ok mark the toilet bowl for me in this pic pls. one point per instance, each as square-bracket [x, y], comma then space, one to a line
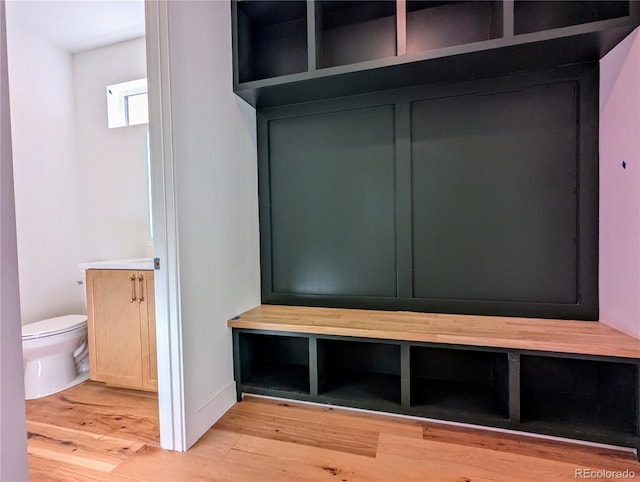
[55, 355]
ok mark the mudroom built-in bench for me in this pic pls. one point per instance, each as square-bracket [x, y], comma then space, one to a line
[573, 379]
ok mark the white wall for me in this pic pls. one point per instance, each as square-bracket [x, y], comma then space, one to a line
[13, 430]
[211, 140]
[45, 173]
[112, 175]
[619, 267]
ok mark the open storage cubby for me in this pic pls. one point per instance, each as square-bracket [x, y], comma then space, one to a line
[348, 32]
[432, 24]
[469, 382]
[272, 39]
[579, 394]
[358, 371]
[274, 362]
[292, 52]
[535, 16]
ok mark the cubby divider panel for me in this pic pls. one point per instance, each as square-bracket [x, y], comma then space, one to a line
[539, 15]
[359, 371]
[349, 32]
[274, 362]
[464, 382]
[577, 394]
[433, 25]
[272, 39]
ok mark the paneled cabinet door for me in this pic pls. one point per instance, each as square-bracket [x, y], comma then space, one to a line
[122, 328]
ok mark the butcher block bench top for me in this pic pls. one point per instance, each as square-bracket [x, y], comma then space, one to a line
[560, 336]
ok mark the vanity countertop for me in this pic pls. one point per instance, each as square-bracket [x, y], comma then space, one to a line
[132, 264]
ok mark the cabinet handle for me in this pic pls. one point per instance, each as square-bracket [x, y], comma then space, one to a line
[132, 285]
[141, 281]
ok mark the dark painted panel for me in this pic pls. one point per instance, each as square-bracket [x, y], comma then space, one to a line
[332, 199]
[494, 196]
[584, 77]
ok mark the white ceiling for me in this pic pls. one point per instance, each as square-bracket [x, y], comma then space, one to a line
[77, 25]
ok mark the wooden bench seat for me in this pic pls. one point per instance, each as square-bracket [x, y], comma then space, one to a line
[562, 336]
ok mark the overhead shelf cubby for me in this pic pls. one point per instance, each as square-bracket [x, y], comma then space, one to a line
[432, 24]
[536, 16]
[272, 39]
[288, 52]
[348, 32]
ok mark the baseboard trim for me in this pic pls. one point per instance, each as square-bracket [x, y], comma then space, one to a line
[210, 412]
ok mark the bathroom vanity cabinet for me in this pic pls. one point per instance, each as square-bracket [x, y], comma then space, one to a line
[121, 325]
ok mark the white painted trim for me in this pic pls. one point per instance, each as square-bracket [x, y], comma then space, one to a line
[165, 228]
[212, 409]
[13, 428]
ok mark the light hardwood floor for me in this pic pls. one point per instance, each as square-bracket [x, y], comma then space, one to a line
[91, 432]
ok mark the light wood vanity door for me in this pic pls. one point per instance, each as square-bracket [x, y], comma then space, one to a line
[148, 331]
[115, 341]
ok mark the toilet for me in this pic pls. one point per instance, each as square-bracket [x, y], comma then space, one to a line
[55, 355]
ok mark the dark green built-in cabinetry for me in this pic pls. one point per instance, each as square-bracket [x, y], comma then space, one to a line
[430, 156]
[476, 197]
[436, 156]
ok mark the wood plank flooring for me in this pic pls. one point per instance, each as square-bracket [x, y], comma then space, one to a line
[563, 336]
[91, 432]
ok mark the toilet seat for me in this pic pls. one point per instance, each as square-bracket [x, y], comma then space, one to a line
[53, 326]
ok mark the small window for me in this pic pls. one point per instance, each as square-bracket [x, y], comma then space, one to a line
[127, 103]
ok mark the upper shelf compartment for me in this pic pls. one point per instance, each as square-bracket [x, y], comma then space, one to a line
[538, 15]
[271, 39]
[348, 32]
[433, 25]
[287, 52]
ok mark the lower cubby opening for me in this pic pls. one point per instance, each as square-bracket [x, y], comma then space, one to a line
[582, 395]
[367, 372]
[466, 383]
[274, 362]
